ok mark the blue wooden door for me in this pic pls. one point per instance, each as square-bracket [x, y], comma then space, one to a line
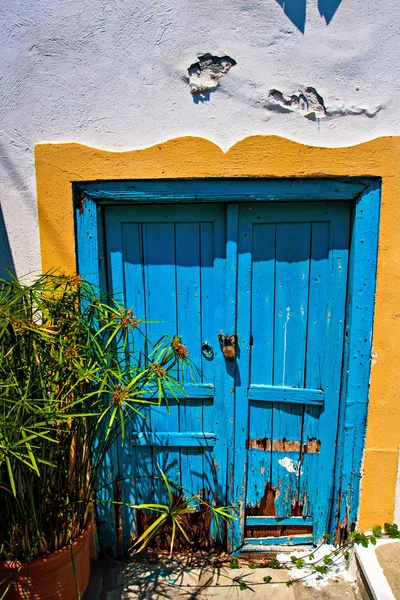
[258, 432]
[292, 282]
[169, 263]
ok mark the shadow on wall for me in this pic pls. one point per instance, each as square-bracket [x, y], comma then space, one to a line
[327, 9]
[6, 260]
[295, 10]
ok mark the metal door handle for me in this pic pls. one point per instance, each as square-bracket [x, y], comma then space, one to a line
[207, 350]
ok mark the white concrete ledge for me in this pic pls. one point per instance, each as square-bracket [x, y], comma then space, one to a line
[372, 570]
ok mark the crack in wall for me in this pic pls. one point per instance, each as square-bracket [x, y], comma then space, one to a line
[354, 110]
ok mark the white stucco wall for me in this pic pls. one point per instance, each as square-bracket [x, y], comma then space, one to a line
[113, 74]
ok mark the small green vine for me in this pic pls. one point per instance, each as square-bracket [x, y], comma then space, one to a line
[321, 565]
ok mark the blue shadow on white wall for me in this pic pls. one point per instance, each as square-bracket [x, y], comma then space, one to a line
[327, 9]
[296, 10]
[6, 260]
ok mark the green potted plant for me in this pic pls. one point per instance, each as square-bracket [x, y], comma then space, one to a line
[70, 379]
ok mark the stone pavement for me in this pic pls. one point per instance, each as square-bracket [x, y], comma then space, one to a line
[202, 578]
[389, 559]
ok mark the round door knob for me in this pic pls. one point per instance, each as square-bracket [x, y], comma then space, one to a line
[207, 350]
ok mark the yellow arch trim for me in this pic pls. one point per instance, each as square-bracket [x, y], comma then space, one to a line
[58, 165]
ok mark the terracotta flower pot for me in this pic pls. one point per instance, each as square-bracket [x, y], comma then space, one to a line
[52, 577]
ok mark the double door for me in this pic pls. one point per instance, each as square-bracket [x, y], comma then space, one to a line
[256, 430]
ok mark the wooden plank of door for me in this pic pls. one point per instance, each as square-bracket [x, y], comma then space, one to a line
[135, 463]
[326, 323]
[242, 373]
[111, 472]
[217, 315]
[258, 493]
[317, 360]
[291, 304]
[160, 281]
[208, 363]
[188, 288]
[238, 433]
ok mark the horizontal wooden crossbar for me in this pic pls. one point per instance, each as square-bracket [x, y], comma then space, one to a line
[228, 190]
[260, 544]
[311, 446]
[287, 521]
[165, 438]
[191, 390]
[271, 393]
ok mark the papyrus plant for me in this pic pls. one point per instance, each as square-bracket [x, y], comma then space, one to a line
[71, 379]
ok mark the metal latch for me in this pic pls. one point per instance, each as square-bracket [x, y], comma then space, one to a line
[228, 345]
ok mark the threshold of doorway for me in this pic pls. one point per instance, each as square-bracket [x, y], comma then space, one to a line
[268, 544]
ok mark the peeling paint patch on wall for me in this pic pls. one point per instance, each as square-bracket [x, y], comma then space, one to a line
[291, 466]
[205, 74]
[307, 102]
[310, 104]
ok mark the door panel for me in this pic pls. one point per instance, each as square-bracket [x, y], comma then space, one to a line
[169, 264]
[298, 267]
[263, 427]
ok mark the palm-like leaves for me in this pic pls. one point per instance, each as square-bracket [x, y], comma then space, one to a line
[70, 381]
[173, 514]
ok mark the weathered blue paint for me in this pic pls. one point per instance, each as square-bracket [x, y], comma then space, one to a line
[254, 521]
[277, 275]
[132, 463]
[269, 393]
[180, 257]
[292, 247]
[356, 368]
[191, 390]
[332, 278]
[91, 263]
[224, 190]
[165, 438]
[261, 544]
[289, 246]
